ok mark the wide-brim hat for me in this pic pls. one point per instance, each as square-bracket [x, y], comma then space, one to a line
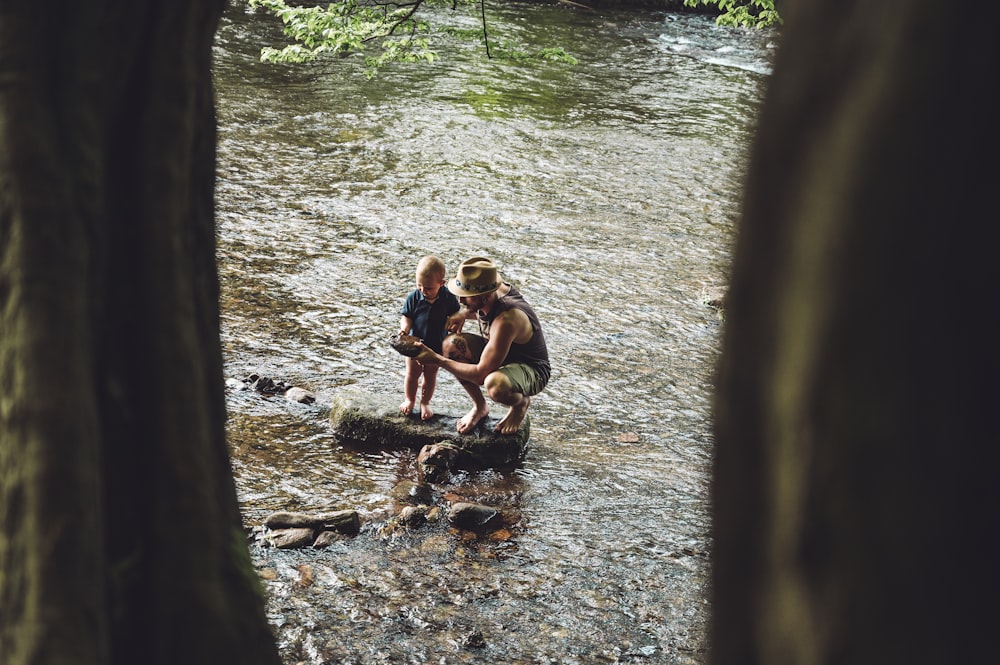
[476, 276]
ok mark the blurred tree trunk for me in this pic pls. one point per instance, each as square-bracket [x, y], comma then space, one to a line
[120, 535]
[856, 492]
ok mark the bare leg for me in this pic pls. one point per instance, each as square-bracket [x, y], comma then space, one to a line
[460, 347]
[501, 390]
[480, 409]
[430, 382]
[410, 382]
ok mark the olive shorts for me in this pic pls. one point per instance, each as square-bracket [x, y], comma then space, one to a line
[523, 377]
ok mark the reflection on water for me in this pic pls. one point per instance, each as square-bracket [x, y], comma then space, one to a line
[607, 192]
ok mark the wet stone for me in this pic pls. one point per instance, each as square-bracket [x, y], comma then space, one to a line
[405, 344]
[473, 516]
[327, 538]
[342, 521]
[300, 395]
[410, 492]
[267, 386]
[413, 516]
[369, 421]
[291, 538]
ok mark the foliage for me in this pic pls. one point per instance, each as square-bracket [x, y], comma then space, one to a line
[743, 13]
[347, 26]
[384, 30]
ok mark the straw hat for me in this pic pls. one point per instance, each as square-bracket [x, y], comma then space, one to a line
[476, 276]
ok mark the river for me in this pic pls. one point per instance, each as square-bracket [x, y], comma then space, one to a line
[607, 191]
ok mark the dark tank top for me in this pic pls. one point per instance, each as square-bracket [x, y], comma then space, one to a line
[534, 352]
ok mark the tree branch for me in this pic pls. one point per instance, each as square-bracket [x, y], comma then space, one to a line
[486, 35]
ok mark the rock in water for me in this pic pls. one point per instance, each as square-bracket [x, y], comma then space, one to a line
[467, 515]
[300, 395]
[343, 521]
[290, 539]
[370, 421]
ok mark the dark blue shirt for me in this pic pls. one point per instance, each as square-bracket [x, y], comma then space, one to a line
[429, 318]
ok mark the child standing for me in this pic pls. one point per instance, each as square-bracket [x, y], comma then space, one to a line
[424, 314]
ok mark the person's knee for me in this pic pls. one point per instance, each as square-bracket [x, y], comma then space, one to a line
[463, 347]
[454, 348]
[498, 387]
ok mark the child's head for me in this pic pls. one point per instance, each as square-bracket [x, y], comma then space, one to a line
[430, 276]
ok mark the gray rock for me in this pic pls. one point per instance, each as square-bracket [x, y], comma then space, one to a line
[466, 515]
[291, 538]
[407, 491]
[300, 395]
[342, 521]
[327, 538]
[370, 421]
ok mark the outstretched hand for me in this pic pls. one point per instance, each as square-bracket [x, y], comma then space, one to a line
[425, 356]
[455, 322]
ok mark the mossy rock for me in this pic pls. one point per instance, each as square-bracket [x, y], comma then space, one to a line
[368, 421]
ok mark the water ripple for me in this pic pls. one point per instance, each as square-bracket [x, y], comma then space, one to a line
[607, 192]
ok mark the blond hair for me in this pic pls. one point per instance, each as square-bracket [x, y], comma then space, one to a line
[431, 266]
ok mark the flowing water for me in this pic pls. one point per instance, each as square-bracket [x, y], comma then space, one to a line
[607, 192]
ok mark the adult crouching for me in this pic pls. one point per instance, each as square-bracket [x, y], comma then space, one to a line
[508, 358]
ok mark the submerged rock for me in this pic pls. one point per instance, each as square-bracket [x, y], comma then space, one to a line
[466, 515]
[473, 639]
[413, 493]
[480, 517]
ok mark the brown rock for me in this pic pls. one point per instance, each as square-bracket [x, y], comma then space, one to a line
[327, 538]
[405, 344]
[473, 516]
[287, 539]
[367, 421]
[343, 521]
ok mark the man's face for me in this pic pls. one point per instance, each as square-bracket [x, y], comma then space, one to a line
[476, 303]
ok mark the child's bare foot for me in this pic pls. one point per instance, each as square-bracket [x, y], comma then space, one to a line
[426, 412]
[406, 408]
[512, 421]
[472, 418]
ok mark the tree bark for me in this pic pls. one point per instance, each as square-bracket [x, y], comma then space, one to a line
[855, 484]
[120, 534]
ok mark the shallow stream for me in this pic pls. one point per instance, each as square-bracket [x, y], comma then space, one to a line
[607, 192]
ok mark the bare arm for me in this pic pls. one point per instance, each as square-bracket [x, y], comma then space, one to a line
[405, 324]
[505, 330]
[458, 319]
